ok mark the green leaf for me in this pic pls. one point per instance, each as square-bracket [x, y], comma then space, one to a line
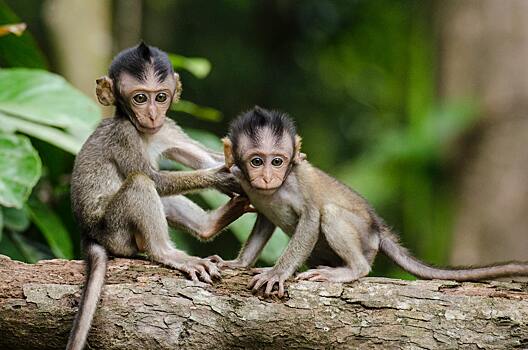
[20, 170]
[205, 113]
[1, 224]
[206, 138]
[52, 228]
[9, 248]
[48, 134]
[18, 51]
[242, 228]
[199, 67]
[15, 219]
[27, 248]
[47, 98]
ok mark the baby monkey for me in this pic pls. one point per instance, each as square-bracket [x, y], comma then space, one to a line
[120, 198]
[332, 228]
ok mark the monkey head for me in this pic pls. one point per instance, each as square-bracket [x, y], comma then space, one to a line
[264, 146]
[142, 85]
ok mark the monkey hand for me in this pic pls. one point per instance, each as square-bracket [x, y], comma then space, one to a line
[268, 276]
[241, 205]
[226, 182]
[228, 264]
[199, 269]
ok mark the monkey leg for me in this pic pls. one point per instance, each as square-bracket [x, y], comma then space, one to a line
[134, 221]
[342, 230]
[184, 214]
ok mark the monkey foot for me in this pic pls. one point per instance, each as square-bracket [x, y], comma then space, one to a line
[329, 274]
[227, 264]
[198, 269]
[268, 277]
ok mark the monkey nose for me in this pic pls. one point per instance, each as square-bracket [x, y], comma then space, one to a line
[152, 112]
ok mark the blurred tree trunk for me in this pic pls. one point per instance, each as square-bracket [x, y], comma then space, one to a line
[483, 56]
[81, 33]
[128, 16]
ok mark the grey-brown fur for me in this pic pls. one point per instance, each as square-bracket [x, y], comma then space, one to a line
[329, 224]
[120, 198]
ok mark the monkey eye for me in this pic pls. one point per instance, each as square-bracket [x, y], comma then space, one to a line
[161, 97]
[140, 98]
[277, 161]
[256, 162]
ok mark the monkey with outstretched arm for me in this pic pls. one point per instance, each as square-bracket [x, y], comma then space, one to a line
[332, 228]
[121, 200]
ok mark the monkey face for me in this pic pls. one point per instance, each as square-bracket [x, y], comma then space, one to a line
[148, 100]
[266, 160]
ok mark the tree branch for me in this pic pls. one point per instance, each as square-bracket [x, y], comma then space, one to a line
[145, 306]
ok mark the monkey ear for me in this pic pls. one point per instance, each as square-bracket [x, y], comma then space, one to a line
[297, 155]
[178, 90]
[105, 91]
[228, 152]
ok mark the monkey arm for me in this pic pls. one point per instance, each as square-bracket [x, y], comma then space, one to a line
[170, 183]
[190, 152]
[183, 213]
[299, 248]
[301, 243]
[260, 235]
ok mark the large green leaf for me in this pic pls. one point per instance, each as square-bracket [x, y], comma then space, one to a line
[54, 136]
[30, 250]
[47, 98]
[20, 170]
[1, 224]
[18, 51]
[199, 67]
[15, 219]
[52, 228]
[205, 113]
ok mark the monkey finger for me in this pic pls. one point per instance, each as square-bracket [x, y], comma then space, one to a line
[252, 282]
[213, 270]
[215, 259]
[318, 278]
[281, 289]
[269, 285]
[257, 282]
[204, 276]
[192, 274]
[250, 209]
[305, 275]
[257, 270]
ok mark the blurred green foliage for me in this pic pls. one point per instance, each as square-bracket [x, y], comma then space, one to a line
[358, 76]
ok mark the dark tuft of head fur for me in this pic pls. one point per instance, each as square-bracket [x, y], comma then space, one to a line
[135, 61]
[252, 122]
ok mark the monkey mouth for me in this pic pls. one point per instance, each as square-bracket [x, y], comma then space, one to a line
[151, 130]
[266, 189]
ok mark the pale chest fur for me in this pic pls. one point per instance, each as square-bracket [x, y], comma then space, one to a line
[283, 207]
[155, 145]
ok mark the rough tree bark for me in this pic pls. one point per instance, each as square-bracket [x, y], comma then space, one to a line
[145, 306]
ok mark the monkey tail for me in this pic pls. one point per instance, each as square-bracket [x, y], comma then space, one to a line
[96, 259]
[390, 245]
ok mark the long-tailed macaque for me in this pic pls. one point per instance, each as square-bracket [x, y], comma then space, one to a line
[332, 227]
[120, 198]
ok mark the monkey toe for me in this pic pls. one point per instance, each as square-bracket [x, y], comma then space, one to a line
[232, 264]
[215, 259]
[321, 274]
